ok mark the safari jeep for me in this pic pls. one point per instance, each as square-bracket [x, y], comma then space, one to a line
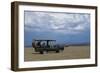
[44, 46]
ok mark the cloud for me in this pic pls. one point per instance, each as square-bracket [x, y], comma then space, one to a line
[56, 22]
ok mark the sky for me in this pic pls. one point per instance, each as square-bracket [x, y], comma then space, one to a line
[64, 27]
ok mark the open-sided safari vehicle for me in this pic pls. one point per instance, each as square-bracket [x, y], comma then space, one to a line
[44, 46]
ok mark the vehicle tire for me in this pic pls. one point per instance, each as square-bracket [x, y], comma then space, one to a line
[41, 52]
[57, 51]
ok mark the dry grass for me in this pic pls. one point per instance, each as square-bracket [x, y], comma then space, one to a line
[71, 52]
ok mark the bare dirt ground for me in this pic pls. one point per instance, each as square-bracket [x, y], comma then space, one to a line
[71, 52]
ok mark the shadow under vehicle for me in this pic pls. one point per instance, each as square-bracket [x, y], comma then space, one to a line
[44, 46]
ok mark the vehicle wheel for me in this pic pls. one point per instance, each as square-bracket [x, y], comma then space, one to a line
[57, 51]
[41, 52]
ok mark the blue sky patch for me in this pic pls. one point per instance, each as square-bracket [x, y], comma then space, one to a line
[65, 28]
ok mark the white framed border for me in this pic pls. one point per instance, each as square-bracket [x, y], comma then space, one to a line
[34, 64]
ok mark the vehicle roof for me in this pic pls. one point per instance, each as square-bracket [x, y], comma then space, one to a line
[44, 40]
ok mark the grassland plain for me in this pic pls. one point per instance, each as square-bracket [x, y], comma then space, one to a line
[71, 52]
